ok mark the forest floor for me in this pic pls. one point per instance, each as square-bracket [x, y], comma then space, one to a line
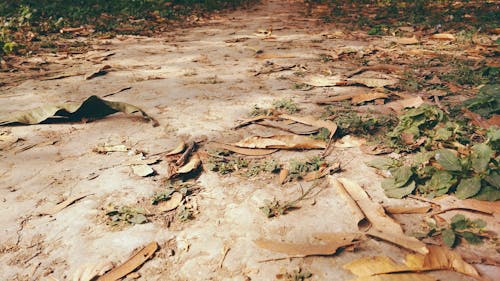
[199, 83]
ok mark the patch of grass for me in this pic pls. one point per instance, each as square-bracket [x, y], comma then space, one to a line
[257, 111]
[287, 105]
[301, 86]
[299, 168]
[276, 208]
[223, 162]
[325, 58]
[126, 215]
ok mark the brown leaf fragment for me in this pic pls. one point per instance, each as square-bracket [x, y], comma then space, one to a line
[407, 209]
[131, 264]
[440, 258]
[369, 266]
[192, 165]
[406, 40]
[327, 244]
[448, 203]
[191, 146]
[322, 172]
[57, 208]
[245, 151]
[383, 226]
[172, 203]
[309, 120]
[93, 107]
[443, 36]
[105, 148]
[178, 149]
[142, 170]
[275, 56]
[399, 105]
[335, 99]
[379, 67]
[282, 142]
[253, 120]
[370, 82]
[368, 97]
[98, 72]
[283, 175]
[478, 120]
[397, 277]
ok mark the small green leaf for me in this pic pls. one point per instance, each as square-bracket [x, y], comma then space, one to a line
[471, 237]
[447, 159]
[480, 157]
[401, 175]
[488, 193]
[440, 183]
[479, 223]
[400, 192]
[468, 187]
[494, 179]
[458, 218]
[442, 134]
[449, 237]
[383, 163]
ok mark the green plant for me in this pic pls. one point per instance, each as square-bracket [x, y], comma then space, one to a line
[276, 208]
[126, 214]
[287, 105]
[299, 168]
[460, 227]
[487, 102]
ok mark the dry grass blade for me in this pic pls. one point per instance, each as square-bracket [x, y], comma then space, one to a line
[57, 208]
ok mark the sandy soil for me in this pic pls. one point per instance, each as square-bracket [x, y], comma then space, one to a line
[198, 83]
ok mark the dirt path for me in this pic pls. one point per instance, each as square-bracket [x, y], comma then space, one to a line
[198, 83]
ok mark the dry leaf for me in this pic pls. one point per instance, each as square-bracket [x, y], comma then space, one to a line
[274, 56]
[322, 172]
[105, 148]
[349, 141]
[368, 97]
[440, 258]
[378, 67]
[407, 209]
[282, 142]
[131, 264]
[178, 149]
[172, 203]
[283, 175]
[399, 105]
[371, 82]
[89, 271]
[335, 99]
[328, 244]
[309, 120]
[142, 170]
[57, 208]
[192, 165]
[322, 81]
[245, 151]
[291, 127]
[448, 203]
[98, 72]
[254, 119]
[406, 40]
[443, 36]
[369, 266]
[383, 226]
[397, 277]
[93, 107]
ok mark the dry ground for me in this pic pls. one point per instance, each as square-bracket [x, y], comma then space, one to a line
[198, 83]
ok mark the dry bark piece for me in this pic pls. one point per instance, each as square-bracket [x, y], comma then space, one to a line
[382, 226]
[131, 264]
[178, 149]
[328, 244]
[93, 107]
[192, 165]
[282, 142]
[142, 170]
[57, 208]
[245, 151]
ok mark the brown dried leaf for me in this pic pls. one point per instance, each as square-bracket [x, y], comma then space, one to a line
[335, 99]
[378, 67]
[245, 151]
[406, 40]
[371, 82]
[131, 264]
[283, 175]
[178, 149]
[443, 36]
[369, 266]
[328, 244]
[383, 226]
[142, 170]
[57, 208]
[399, 105]
[368, 97]
[172, 203]
[448, 203]
[98, 72]
[397, 277]
[311, 121]
[282, 142]
[190, 166]
[407, 209]
[323, 81]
